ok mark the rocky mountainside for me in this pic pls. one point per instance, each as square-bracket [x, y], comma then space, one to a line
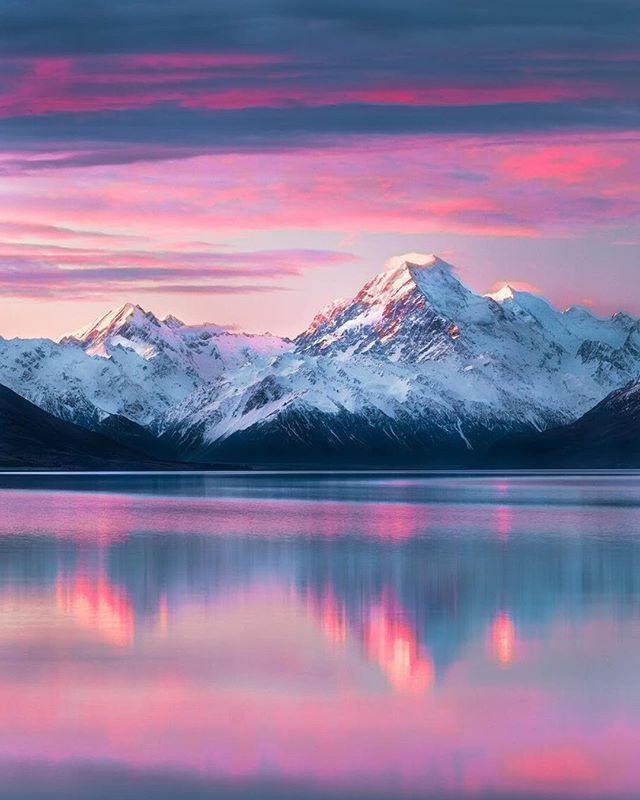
[607, 436]
[414, 369]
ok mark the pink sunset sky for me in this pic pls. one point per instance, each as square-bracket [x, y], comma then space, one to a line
[247, 162]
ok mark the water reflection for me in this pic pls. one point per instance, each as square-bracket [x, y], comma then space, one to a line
[246, 639]
[503, 638]
[393, 646]
[96, 605]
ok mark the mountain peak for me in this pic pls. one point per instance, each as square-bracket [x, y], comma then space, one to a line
[504, 293]
[405, 274]
[94, 337]
[579, 312]
[119, 315]
[420, 260]
[172, 321]
[405, 297]
[110, 321]
[622, 318]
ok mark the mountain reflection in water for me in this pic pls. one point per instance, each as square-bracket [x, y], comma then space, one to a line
[276, 636]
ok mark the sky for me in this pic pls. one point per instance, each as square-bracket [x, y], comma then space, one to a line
[246, 161]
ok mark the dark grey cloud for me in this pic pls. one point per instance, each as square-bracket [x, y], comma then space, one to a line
[161, 133]
[74, 26]
[323, 46]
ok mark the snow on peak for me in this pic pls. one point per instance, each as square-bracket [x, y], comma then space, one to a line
[623, 320]
[393, 305]
[503, 294]
[119, 326]
[113, 321]
[114, 317]
[405, 274]
[508, 292]
[172, 321]
[579, 312]
[415, 259]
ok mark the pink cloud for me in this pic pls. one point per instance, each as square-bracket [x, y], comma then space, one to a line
[40, 270]
[406, 186]
[30, 230]
[563, 164]
[149, 227]
[239, 81]
[444, 95]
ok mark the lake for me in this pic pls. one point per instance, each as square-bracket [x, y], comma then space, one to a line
[329, 636]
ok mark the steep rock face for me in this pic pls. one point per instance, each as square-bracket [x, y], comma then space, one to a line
[311, 409]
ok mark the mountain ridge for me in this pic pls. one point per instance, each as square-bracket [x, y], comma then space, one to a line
[415, 368]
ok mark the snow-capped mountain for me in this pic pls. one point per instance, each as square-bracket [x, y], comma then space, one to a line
[415, 368]
[127, 363]
[208, 350]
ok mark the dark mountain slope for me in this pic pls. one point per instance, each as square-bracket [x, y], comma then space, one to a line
[32, 438]
[607, 436]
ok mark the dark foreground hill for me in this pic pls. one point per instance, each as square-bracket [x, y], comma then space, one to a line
[607, 436]
[31, 438]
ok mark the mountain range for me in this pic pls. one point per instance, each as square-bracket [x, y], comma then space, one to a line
[414, 370]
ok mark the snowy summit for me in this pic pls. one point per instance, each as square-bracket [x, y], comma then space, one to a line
[413, 363]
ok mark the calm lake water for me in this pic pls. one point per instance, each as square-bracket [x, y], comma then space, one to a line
[314, 636]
